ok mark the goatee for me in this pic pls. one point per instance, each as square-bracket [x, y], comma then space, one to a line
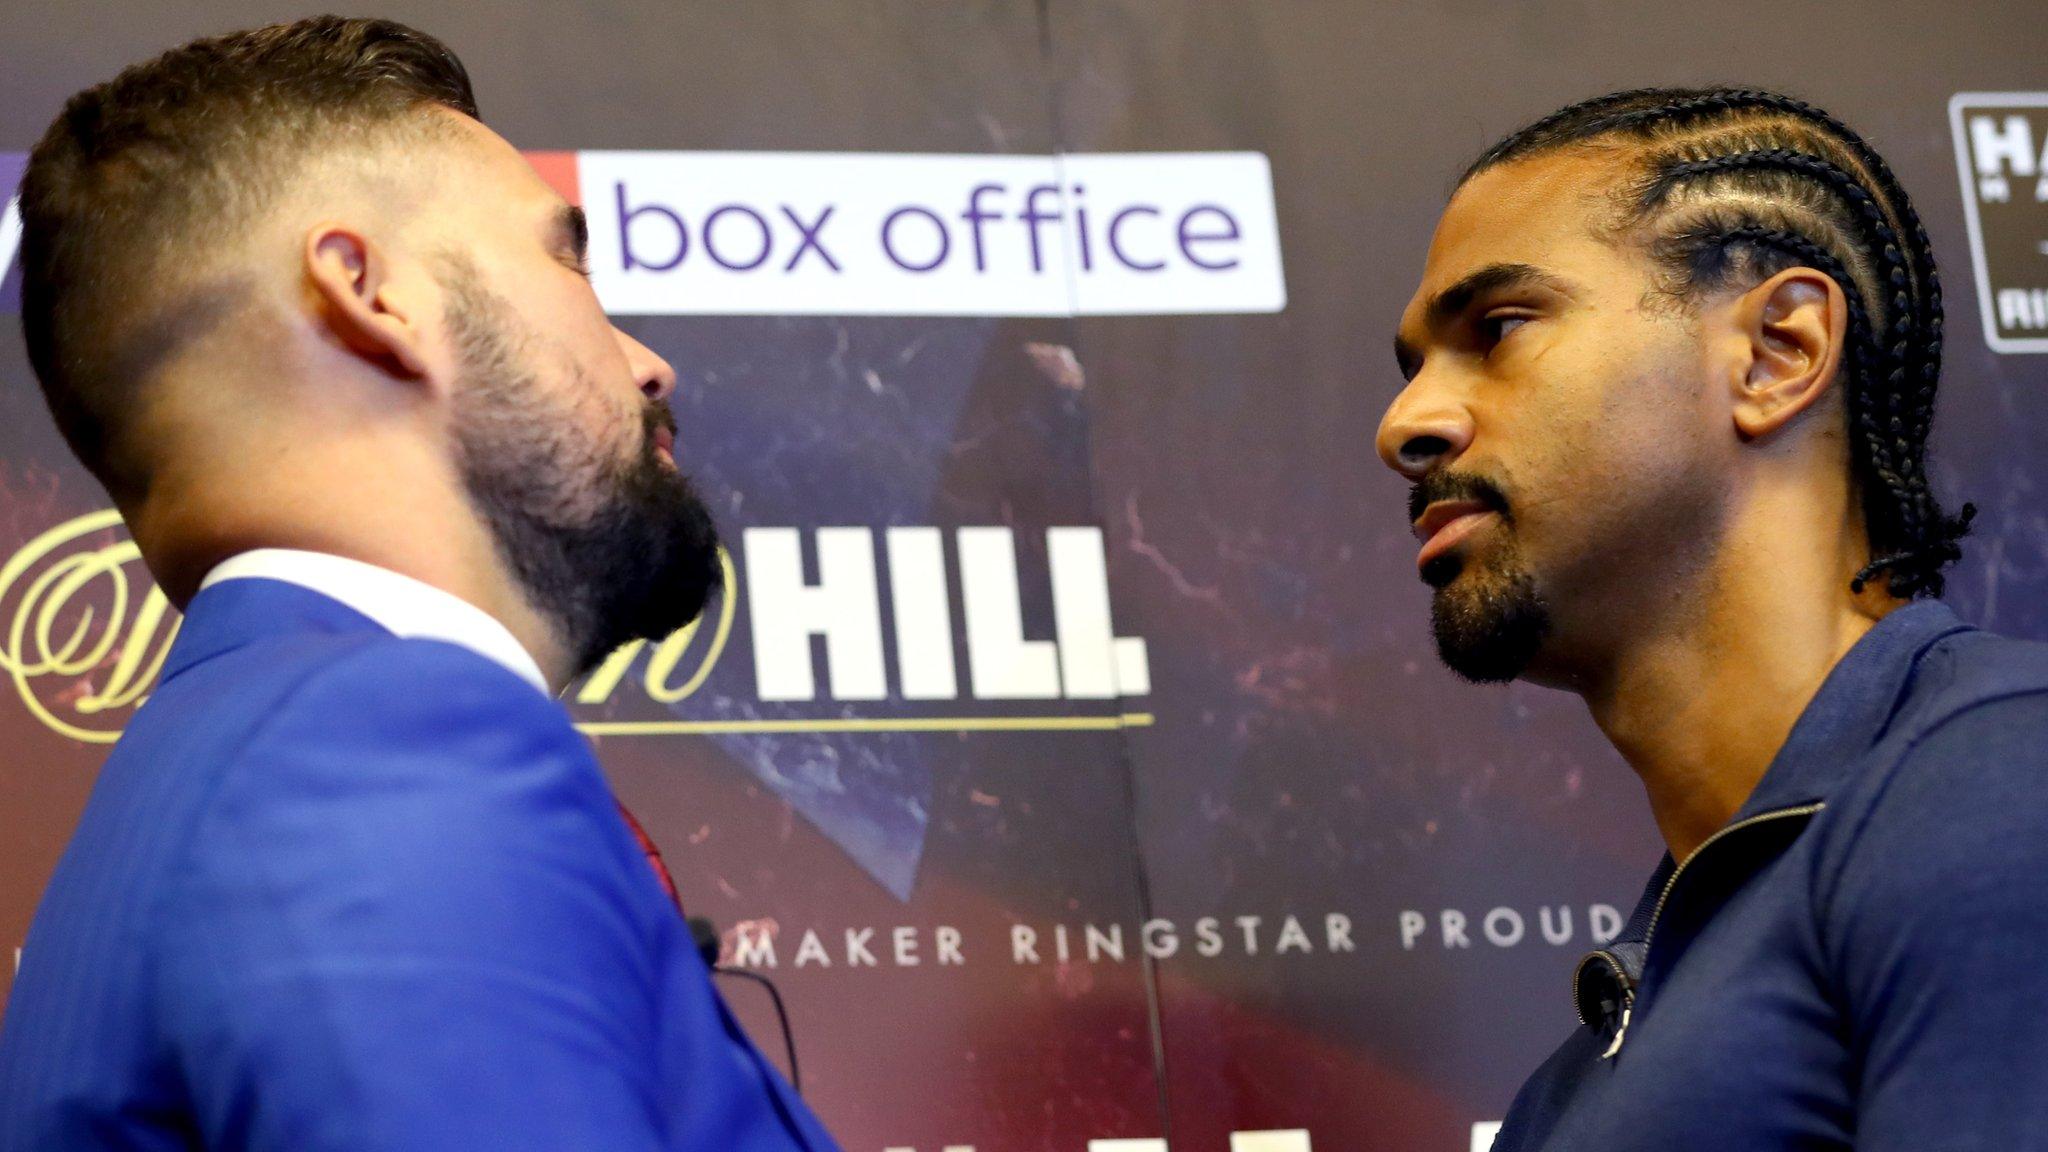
[1490, 621]
[1489, 626]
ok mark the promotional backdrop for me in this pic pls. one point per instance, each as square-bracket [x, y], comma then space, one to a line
[1070, 749]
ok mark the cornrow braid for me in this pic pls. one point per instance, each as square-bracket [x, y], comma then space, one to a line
[1741, 183]
[1688, 108]
[1663, 106]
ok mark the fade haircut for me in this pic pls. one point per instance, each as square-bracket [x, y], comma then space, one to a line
[139, 176]
[1728, 187]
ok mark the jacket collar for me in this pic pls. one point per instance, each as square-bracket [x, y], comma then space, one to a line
[1853, 708]
[235, 613]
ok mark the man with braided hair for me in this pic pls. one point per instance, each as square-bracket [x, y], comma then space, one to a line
[1670, 371]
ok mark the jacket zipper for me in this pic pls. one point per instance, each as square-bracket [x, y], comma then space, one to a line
[1628, 992]
[1579, 975]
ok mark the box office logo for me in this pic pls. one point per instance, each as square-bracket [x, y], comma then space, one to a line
[2002, 158]
[903, 234]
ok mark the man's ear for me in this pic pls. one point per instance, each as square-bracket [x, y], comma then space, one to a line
[1787, 342]
[351, 279]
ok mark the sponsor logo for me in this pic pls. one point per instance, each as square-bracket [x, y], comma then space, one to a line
[889, 234]
[2002, 158]
[84, 634]
[846, 234]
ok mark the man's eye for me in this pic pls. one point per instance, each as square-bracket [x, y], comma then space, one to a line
[1496, 328]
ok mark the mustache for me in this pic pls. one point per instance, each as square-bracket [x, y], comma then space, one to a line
[1455, 486]
[657, 416]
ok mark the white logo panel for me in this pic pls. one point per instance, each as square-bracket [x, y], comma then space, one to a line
[849, 234]
[2002, 158]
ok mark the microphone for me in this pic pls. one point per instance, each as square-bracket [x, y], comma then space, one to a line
[705, 934]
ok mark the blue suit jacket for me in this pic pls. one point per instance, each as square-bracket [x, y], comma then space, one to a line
[340, 890]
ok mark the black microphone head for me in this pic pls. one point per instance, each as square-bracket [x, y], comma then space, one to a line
[705, 933]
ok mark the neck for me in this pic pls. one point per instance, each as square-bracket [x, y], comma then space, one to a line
[1700, 702]
[392, 516]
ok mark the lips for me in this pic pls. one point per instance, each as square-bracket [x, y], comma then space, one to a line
[665, 444]
[1445, 524]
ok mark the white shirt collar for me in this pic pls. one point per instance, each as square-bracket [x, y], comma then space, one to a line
[402, 605]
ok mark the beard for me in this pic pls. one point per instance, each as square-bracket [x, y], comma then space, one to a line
[610, 546]
[1489, 619]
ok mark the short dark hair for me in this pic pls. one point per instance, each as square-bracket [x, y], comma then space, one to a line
[137, 173]
[1731, 186]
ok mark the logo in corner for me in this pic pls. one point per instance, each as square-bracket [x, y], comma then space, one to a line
[2002, 158]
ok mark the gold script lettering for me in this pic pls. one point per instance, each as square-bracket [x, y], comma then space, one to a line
[66, 599]
[69, 604]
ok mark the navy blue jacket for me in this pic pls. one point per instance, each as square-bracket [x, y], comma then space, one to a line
[1859, 959]
[339, 891]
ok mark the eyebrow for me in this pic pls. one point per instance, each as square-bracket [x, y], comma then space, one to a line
[574, 229]
[1452, 302]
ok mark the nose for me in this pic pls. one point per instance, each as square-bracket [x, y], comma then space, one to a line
[1423, 430]
[656, 377]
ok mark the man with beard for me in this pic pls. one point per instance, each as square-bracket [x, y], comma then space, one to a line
[1670, 370]
[352, 880]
